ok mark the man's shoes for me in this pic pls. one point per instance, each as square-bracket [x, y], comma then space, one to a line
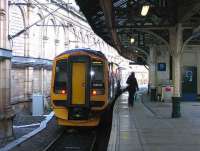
[130, 104]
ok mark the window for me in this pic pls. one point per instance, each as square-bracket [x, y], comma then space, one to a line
[97, 71]
[60, 85]
[97, 75]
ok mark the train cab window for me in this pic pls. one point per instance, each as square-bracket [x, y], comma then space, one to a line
[60, 83]
[97, 74]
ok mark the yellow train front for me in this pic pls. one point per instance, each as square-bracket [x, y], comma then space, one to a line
[79, 89]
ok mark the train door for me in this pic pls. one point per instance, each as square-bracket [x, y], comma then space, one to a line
[79, 86]
[78, 83]
[189, 83]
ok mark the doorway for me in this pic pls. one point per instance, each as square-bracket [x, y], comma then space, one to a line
[189, 83]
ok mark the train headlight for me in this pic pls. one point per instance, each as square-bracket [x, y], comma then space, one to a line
[92, 73]
[63, 91]
[97, 92]
[94, 92]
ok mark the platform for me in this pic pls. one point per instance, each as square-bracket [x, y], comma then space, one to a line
[148, 126]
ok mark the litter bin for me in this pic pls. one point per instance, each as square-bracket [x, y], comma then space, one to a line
[37, 105]
[176, 113]
[153, 94]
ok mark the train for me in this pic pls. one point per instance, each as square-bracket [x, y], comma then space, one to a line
[84, 85]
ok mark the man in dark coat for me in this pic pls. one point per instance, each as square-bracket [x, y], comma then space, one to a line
[132, 88]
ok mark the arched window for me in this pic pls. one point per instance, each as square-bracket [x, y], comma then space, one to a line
[72, 38]
[67, 35]
[16, 24]
[61, 38]
[81, 39]
[102, 47]
[87, 41]
[35, 35]
[99, 45]
[93, 44]
[50, 52]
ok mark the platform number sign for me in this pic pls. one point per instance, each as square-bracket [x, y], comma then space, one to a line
[161, 66]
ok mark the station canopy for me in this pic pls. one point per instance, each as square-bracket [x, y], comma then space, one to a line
[126, 26]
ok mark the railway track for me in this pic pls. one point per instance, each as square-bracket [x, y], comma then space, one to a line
[81, 140]
[84, 139]
[95, 139]
[73, 140]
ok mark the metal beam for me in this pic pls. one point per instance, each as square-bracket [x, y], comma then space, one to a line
[107, 8]
[54, 25]
[5, 53]
[29, 4]
[187, 10]
[28, 27]
[148, 27]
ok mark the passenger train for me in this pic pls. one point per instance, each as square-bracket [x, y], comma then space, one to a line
[83, 86]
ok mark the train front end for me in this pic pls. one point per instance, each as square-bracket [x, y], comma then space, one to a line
[79, 89]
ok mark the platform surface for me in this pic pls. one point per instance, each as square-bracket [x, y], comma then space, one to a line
[148, 126]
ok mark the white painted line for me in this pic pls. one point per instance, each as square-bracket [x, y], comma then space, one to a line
[24, 126]
[22, 139]
[113, 142]
[72, 148]
[124, 102]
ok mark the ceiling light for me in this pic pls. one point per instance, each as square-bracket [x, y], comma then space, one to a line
[145, 9]
[132, 40]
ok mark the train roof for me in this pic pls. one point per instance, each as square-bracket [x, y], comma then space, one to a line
[88, 50]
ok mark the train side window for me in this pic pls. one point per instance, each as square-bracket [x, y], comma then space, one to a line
[97, 74]
[60, 83]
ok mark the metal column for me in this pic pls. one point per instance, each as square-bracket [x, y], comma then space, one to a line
[176, 44]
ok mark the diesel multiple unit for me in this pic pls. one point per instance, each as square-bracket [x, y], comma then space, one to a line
[83, 86]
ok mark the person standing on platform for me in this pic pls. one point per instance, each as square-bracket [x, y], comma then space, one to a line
[132, 88]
